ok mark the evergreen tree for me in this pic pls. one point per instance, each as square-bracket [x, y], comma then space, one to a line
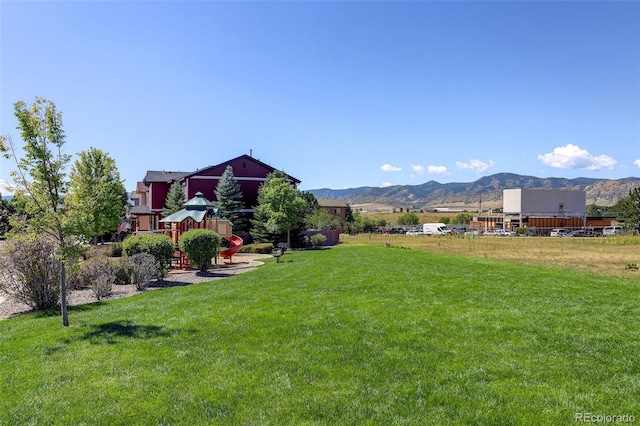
[229, 200]
[312, 202]
[174, 201]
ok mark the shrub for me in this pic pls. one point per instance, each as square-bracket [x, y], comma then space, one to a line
[200, 245]
[260, 248]
[124, 270]
[100, 274]
[159, 246]
[317, 240]
[114, 249]
[144, 268]
[30, 273]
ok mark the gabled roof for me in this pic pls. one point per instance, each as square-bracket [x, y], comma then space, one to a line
[163, 176]
[330, 202]
[245, 157]
[140, 210]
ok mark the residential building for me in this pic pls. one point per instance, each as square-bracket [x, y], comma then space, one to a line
[151, 193]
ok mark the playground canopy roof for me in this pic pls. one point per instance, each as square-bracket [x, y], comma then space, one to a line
[195, 209]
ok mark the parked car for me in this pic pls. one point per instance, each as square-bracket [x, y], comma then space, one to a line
[459, 230]
[577, 233]
[415, 231]
[612, 230]
[473, 232]
[499, 233]
[559, 232]
[397, 230]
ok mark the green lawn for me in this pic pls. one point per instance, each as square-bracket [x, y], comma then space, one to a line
[349, 335]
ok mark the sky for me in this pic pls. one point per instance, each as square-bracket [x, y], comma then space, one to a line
[338, 94]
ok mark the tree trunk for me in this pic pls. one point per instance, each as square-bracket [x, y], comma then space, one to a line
[63, 295]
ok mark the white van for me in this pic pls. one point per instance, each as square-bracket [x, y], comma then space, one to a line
[435, 229]
[612, 230]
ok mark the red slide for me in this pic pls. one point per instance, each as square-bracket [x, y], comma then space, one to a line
[235, 244]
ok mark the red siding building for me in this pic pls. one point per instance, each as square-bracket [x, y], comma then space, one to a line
[151, 193]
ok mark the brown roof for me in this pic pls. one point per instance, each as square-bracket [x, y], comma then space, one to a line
[330, 202]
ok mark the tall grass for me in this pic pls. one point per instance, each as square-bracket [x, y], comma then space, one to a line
[350, 335]
[604, 255]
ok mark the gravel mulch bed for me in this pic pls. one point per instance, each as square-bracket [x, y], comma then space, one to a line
[242, 262]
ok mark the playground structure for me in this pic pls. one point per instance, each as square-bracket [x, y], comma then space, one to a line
[199, 213]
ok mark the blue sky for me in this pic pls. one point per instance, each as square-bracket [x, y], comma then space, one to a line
[337, 94]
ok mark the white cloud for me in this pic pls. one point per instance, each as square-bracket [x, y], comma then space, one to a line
[418, 169]
[4, 188]
[637, 162]
[386, 184]
[389, 168]
[438, 170]
[573, 157]
[478, 166]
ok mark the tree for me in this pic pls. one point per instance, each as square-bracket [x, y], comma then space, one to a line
[320, 220]
[95, 201]
[40, 179]
[174, 201]
[462, 219]
[628, 208]
[259, 230]
[312, 202]
[281, 205]
[229, 199]
[408, 219]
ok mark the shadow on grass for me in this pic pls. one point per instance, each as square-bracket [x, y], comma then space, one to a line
[113, 332]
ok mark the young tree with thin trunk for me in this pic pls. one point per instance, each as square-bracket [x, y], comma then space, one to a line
[40, 179]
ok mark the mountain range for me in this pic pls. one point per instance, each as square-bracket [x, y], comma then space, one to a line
[486, 192]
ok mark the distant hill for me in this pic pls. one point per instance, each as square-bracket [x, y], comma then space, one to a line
[486, 190]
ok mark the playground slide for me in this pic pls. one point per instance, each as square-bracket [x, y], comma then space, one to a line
[235, 244]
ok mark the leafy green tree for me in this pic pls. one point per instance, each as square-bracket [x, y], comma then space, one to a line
[229, 200]
[462, 219]
[41, 181]
[593, 210]
[95, 201]
[628, 208]
[259, 230]
[445, 220]
[6, 211]
[282, 206]
[320, 220]
[634, 208]
[409, 219]
[175, 200]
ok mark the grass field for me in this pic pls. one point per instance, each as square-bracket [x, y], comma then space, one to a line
[356, 334]
[614, 256]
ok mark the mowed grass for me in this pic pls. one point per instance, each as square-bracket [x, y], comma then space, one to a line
[348, 335]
